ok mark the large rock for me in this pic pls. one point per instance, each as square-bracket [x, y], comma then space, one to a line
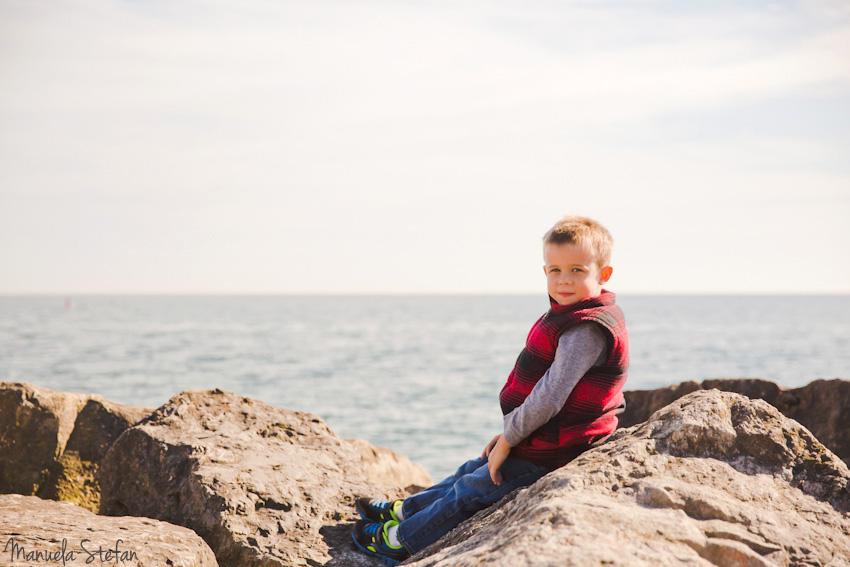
[263, 486]
[51, 442]
[43, 532]
[714, 479]
[823, 406]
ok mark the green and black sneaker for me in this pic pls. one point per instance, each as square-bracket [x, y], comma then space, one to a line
[380, 511]
[372, 538]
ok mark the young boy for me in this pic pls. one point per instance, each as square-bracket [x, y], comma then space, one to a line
[562, 396]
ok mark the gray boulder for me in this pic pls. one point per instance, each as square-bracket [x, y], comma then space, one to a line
[51, 442]
[43, 532]
[714, 479]
[263, 486]
[822, 406]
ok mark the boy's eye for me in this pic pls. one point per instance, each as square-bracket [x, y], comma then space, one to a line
[578, 270]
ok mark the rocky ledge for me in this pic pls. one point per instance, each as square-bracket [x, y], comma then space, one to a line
[261, 485]
[713, 479]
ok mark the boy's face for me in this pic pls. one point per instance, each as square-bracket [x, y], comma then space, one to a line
[572, 273]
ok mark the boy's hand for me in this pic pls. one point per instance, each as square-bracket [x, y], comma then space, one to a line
[497, 456]
[490, 446]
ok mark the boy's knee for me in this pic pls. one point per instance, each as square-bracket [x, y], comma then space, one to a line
[475, 484]
[469, 467]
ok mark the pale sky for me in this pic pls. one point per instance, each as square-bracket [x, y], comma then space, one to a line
[248, 146]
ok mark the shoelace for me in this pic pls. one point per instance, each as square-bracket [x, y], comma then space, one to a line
[376, 532]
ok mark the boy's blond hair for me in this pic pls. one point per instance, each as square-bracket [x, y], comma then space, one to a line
[585, 232]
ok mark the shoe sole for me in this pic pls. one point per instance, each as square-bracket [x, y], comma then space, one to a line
[383, 558]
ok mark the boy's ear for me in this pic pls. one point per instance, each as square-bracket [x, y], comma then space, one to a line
[605, 274]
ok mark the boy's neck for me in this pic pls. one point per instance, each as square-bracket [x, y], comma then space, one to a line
[603, 296]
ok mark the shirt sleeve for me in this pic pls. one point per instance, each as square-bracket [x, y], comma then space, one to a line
[579, 348]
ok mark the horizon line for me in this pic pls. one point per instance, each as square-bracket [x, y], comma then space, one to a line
[394, 293]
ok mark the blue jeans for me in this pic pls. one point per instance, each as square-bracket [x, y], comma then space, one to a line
[434, 512]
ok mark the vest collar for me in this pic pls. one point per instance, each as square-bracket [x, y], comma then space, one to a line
[604, 298]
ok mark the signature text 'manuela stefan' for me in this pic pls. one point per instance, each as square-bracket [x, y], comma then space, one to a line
[68, 555]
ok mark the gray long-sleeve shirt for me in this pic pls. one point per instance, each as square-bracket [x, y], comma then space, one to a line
[579, 348]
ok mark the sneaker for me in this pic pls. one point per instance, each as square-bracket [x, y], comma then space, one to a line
[380, 511]
[371, 537]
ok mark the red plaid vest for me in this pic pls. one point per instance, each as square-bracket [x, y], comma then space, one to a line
[590, 412]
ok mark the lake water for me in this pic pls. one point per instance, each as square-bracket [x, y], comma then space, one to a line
[418, 374]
